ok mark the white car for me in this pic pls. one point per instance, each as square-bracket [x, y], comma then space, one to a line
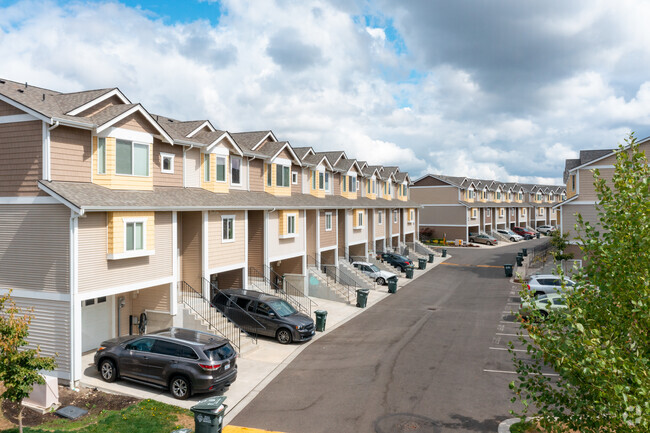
[514, 237]
[548, 284]
[381, 277]
[544, 304]
[545, 229]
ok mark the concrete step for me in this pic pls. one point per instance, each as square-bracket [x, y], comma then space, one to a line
[362, 279]
[336, 289]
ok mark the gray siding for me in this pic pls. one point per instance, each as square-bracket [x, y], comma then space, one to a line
[34, 247]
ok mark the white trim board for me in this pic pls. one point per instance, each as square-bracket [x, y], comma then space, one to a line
[82, 296]
[15, 118]
[26, 109]
[227, 268]
[287, 256]
[36, 294]
[443, 205]
[29, 200]
[447, 225]
[105, 96]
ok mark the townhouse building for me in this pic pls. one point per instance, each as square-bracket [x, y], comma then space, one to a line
[454, 207]
[108, 211]
[581, 196]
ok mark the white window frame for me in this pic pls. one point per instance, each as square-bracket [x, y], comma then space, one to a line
[281, 167]
[224, 220]
[411, 216]
[328, 182]
[470, 193]
[488, 212]
[241, 165]
[207, 162]
[541, 211]
[164, 155]
[395, 216]
[225, 169]
[134, 221]
[474, 213]
[101, 155]
[295, 220]
[294, 178]
[359, 218]
[502, 212]
[328, 221]
[133, 144]
[380, 220]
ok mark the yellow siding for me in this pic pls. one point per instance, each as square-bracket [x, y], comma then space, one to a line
[115, 181]
[358, 212]
[213, 185]
[282, 191]
[320, 193]
[116, 230]
[283, 221]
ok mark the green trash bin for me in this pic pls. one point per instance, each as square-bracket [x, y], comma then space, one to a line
[520, 261]
[392, 285]
[520, 254]
[444, 252]
[422, 263]
[524, 251]
[362, 297]
[208, 415]
[430, 258]
[409, 272]
[321, 318]
[537, 235]
[508, 270]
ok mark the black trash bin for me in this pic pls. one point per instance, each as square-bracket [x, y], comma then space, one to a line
[409, 272]
[508, 270]
[537, 235]
[520, 261]
[422, 263]
[520, 254]
[524, 251]
[208, 415]
[392, 285]
[321, 318]
[444, 252]
[362, 297]
[430, 258]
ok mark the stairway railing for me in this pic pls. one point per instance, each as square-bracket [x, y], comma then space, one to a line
[276, 285]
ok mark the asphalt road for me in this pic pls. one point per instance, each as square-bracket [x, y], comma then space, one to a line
[430, 358]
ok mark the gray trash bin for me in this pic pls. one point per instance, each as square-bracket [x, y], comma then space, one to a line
[422, 264]
[362, 297]
[321, 319]
[392, 285]
[430, 258]
[444, 252]
[208, 415]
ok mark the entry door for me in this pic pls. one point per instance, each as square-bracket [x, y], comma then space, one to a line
[96, 322]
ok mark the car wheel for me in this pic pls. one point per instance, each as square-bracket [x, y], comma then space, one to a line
[180, 387]
[283, 336]
[471, 239]
[490, 243]
[381, 281]
[512, 239]
[544, 314]
[539, 293]
[108, 371]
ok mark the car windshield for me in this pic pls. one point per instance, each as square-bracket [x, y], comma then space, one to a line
[282, 308]
[219, 353]
[374, 268]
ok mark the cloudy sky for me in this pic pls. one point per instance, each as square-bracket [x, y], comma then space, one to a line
[499, 89]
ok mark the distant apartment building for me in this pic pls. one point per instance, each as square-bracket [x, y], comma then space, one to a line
[453, 207]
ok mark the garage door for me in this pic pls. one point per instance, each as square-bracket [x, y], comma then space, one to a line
[96, 319]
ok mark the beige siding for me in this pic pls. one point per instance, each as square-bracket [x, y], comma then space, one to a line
[311, 232]
[231, 280]
[9, 110]
[337, 184]
[296, 188]
[285, 247]
[193, 168]
[229, 253]
[434, 195]
[429, 181]
[256, 239]
[167, 179]
[113, 100]
[191, 229]
[450, 233]
[587, 189]
[359, 235]
[394, 225]
[380, 229]
[152, 298]
[96, 272]
[21, 162]
[136, 122]
[256, 174]
[70, 154]
[49, 329]
[569, 218]
[34, 247]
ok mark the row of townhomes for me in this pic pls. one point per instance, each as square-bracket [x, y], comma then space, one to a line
[581, 197]
[454, 207]
[106, 210]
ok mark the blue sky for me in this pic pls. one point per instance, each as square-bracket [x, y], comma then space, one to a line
[481, 88]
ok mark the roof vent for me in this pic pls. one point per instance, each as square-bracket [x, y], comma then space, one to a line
[2, 81]
[43, 96]
[25, 84]
[21, 90]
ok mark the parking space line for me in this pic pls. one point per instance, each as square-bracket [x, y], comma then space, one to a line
[513, 335]
[505, 348]
[514, 372]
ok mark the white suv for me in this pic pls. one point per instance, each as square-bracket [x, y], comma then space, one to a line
[381, 277]
[547, 284]
[545, 229]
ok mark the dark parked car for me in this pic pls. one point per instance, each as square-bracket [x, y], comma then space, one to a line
[527, 234]
[183, 360]
[263, 314]
[396, 260]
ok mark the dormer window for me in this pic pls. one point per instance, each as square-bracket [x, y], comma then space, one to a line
[221, 169]
[470, 193]
[131, 158]
[282, 175]
[235, 170]
[101, 155]
[166, 163]
[498, 195]
[352, 184]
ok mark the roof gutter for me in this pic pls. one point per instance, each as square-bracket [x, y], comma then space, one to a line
[56, 125]
[72, 123]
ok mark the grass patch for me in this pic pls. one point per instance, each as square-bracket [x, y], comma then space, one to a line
[144, 417]
[523, 427]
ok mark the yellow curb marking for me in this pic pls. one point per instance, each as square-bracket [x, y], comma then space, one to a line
[235, 429]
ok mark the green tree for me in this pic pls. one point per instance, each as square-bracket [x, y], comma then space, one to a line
[600, 348]
[19, 367]
[559, 242]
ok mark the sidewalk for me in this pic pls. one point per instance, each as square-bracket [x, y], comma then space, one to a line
[256, 367]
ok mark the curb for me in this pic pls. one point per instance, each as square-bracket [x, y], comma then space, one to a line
[504, 427]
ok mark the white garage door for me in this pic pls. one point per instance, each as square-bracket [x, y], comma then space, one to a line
[96, 319]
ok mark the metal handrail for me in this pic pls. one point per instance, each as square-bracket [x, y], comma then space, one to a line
[334, 272]
[280, 291]
[257, 325]
[195, 301]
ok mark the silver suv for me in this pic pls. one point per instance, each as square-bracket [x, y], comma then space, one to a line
[183, 360]
[547, 284]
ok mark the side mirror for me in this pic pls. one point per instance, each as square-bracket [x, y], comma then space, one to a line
[271, 314]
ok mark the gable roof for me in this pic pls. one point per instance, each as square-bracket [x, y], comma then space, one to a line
[333, 157]
[212, 138]
[302, 152]
[316, 160]
[273, 148]
[345, 165]
[252, 139]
